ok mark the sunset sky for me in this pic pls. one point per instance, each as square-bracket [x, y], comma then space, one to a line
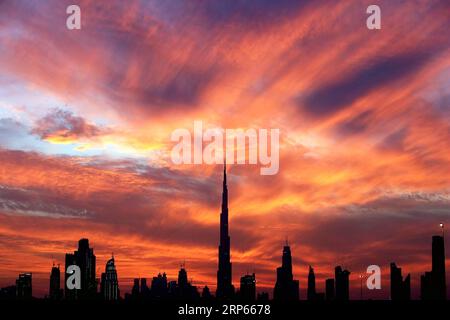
[86, 117]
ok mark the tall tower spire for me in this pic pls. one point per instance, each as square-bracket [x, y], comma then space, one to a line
[224, 279]
[224, 200]
[224, 171]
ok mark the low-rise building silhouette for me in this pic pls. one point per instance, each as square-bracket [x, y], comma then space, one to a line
[24, 288]
[329, 289]
[8, 293]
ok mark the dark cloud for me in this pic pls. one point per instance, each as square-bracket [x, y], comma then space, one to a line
[355, 125]
[37, 203]
[210, 14]
[65, 125]
[443, 105]
[330, 98]
[179, 183]
[394, 141]
[183, 89]
[251, 12]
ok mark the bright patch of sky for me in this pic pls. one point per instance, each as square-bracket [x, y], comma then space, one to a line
[22, 105]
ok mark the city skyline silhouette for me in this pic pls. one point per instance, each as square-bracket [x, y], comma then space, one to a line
[286, 289]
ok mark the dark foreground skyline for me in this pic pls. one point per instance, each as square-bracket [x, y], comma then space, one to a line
[160, 287]
[432, 283]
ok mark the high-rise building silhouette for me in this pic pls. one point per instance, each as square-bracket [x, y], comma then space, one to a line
[145, 290]
[184, 289]
[206, 293]
[173, 290]
[286, 288]
[247, 288]
[438, 267]
[400, 289]
[329, 289]
[24, 289]
[182, 278]
[433, 284]
[342, 284]
[109, 285]
[135, 289]
[85, 259]
[311, 285]
[55, 291]
[225, 289]
[159, 288]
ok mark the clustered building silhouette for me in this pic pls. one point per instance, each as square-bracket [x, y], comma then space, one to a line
[432, 283]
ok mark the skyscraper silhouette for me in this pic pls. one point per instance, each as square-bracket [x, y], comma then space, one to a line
[135, 289]
[159, 287]
[438, 267]
[182, 278]
[433, 284]
[311, 285]
[109, 285]
[286, 288]
[85, 259]
[145, 290]
[206, 293]
[55, 291]
[248, 287]
[185, 290]
[225, 289]
[400, 289]
[342, 284]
